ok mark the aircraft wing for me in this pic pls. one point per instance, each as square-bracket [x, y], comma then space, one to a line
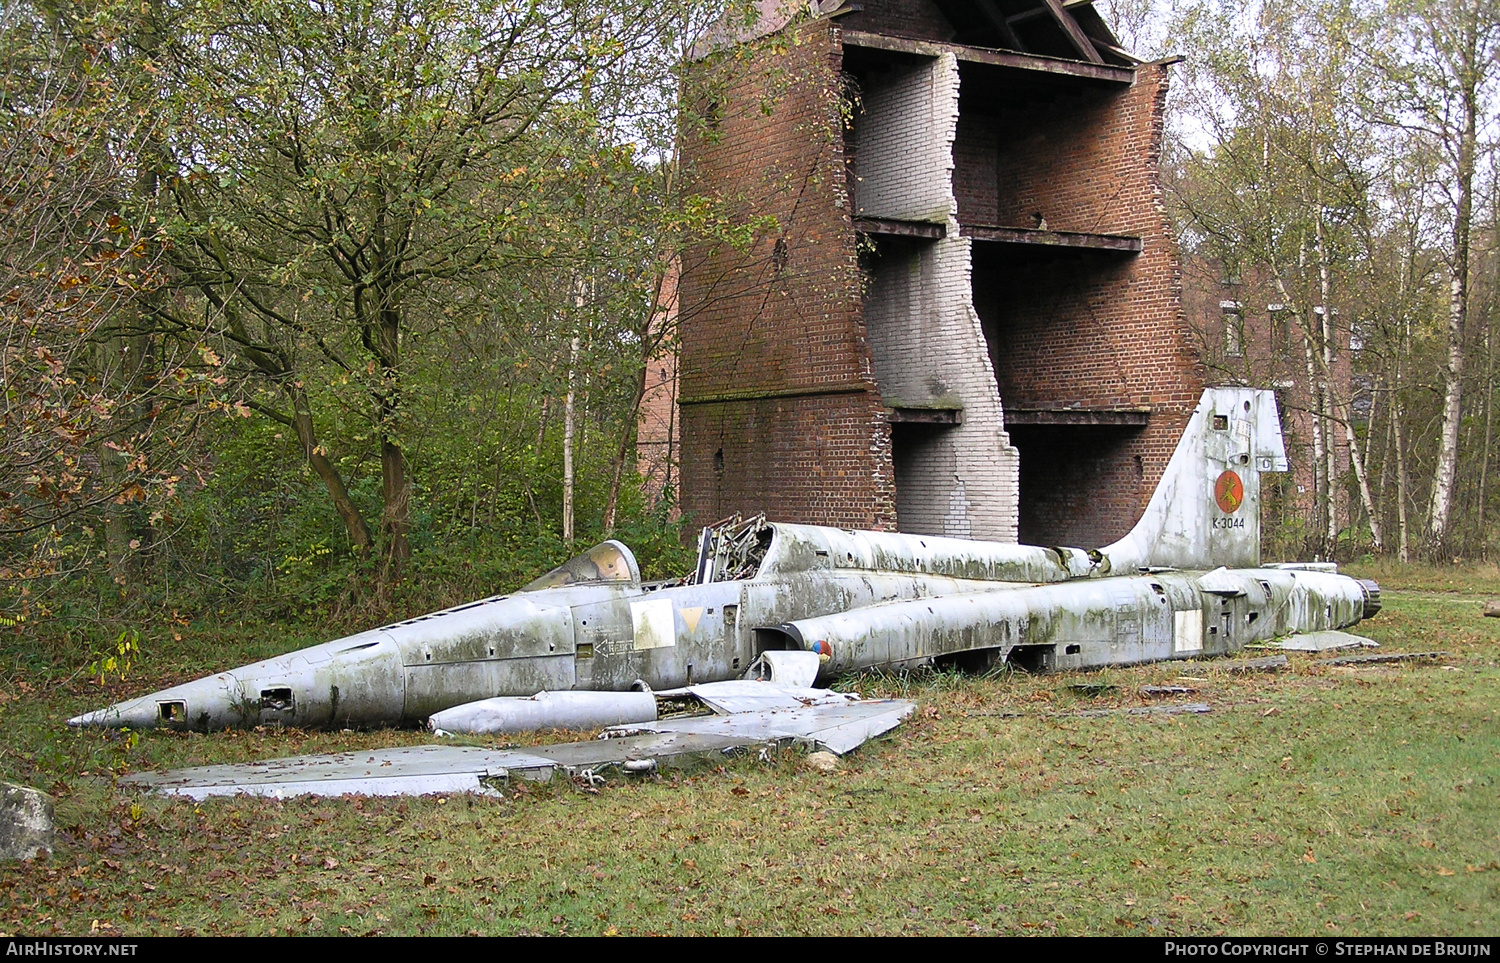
[836, 724]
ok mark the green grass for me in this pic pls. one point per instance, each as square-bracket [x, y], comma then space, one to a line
[1312, 801]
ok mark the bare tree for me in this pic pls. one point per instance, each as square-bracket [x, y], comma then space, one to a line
[1437, 65]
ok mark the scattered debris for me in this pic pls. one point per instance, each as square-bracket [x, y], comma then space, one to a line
[1273, 663]
[25, 822]
[1162, 691]
[1093, 688]
[1327, 641]
[1192, 707]
[1365, 673]
[1492, 608]
[1383, 657]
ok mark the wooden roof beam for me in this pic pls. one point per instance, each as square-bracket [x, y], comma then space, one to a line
[983, 55]
[997, 19]
[1075, 33]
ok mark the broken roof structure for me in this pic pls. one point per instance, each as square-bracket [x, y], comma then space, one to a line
[964, 318]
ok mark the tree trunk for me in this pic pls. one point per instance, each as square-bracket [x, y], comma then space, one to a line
[384, 341]
[1403, 523]
[1337, 402]
[568, 428]
[354, 523]
[1446, 470]
[622, 451]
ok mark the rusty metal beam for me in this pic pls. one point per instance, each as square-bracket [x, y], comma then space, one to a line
[894, 227]
[1123, 76]
[925, 416]
[1076, 417]
[1124, 243]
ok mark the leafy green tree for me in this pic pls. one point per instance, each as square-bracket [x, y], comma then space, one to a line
[97, 415]
[356, 178]
[1437, 65]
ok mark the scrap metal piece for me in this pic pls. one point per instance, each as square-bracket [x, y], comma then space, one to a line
[1322, 642]
[1162, 691]
[1492, 609]
[1273, 663]
[838, 728]
[746, 695]
[797, 667]
[1379, 657]
[1195, 708]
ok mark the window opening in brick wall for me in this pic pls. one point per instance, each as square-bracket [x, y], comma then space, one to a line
[1281, 327]
[1234, 328]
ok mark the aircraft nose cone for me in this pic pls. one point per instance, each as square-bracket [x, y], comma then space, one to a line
[354, 681]
[134, 714]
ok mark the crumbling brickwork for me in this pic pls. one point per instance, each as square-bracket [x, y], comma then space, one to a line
[960, 313]
[1096, 333]
[925, 339]
[780, 412]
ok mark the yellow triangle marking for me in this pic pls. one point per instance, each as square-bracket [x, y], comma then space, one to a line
[690, 618]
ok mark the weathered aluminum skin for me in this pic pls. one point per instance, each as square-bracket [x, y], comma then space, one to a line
[545, 710]
[854, 599]
[838, 726]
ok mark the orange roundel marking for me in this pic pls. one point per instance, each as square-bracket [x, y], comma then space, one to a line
[1229, 492]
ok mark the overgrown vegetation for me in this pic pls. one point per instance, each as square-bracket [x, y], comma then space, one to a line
[1316, 801]
[329, 309]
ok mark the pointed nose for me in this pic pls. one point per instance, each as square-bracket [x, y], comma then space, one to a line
[211, 703]
[354, 681]
[121, 716]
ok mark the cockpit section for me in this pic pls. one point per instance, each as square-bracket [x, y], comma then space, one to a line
[731, 550]
[609, 561]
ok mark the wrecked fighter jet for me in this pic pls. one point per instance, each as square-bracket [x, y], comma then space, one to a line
[1186, 582]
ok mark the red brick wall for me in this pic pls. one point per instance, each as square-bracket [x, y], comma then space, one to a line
[1090, 329]
[1080, 486]
[657, 429]
[917, 19]
[976, 150]
[779, 408]
[804, 459]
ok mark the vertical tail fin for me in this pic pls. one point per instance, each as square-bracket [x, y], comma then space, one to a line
[1206, 510]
